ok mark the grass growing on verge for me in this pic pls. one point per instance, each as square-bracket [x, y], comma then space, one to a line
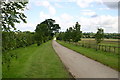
[35, 62]
[109, 59]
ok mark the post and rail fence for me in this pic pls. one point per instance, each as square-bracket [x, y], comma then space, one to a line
[105, 48]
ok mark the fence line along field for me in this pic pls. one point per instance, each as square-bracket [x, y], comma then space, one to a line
[107, 45]
[110, 42]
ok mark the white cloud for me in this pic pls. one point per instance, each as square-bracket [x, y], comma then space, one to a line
[110, 0]
[44, 16]
[65, 21]
[26, 27]
[107, 22]
[42, 3]
[82, 3]
[86, 3]
[86, 10]
[66, 17]
[46, 4]
[104, 8]
[58, 5]
[89, 13]
[52, 10]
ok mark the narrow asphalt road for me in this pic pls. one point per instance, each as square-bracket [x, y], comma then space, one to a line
[82, 67]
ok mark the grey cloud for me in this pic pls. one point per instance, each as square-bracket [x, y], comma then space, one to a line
[94, 16]
[111, 5]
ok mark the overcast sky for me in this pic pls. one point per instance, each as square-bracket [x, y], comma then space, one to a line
[91, 14]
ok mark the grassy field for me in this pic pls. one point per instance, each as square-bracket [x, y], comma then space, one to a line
[35, 62]
[106, 58]
[108, 42]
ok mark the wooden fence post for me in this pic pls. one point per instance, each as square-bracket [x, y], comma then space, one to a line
[114, 49]
[82, 44]
[102, 48]
[105, 48]
[89, 45]
[109, 48]
[99, 47]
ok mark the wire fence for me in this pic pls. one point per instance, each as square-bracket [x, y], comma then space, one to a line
[105, 48]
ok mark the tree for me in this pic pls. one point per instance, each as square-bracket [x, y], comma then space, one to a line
[11, 13]
[56, 28]
[41, 33]
[53, 28]
[99, 36]
[72, 34]
[77, 34]
[45, 31]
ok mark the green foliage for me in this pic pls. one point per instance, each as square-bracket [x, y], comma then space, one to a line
[60, 36]
[88, 35]
[76, 33]
[41, 33]
[106, 35]
[45, 31]
[72, 34]
[112, 35]
[12, 40]
[99, 36]
[11, 13]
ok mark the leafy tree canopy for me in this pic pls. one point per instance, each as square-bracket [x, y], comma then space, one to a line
[45, 30]
[72, 34]
[11, 13]
[99, 36]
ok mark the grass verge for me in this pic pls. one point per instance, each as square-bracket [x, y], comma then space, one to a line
[109, 59]
[35, 62]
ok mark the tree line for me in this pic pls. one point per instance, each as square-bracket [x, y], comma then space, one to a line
[43, 32]
[71, 34]
[74, 34]
[12, 39]
[106, 35]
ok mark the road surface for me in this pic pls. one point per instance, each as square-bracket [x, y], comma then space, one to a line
[82, 67]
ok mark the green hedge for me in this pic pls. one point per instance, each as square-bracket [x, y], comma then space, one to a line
[12, 40]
